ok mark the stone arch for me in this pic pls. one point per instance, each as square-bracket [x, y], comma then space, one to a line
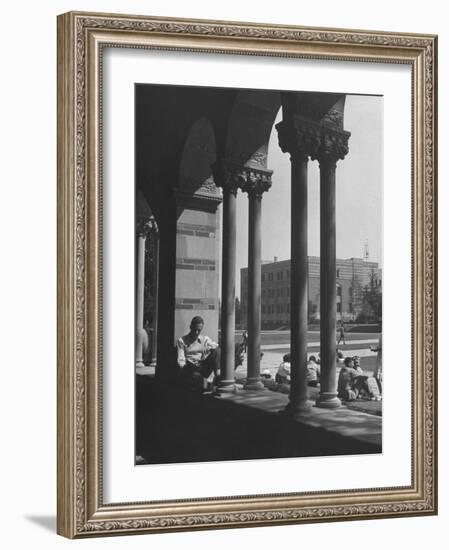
[250, 125]
[198, 155]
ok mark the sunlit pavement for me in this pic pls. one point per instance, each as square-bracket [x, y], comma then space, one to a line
[270, 363]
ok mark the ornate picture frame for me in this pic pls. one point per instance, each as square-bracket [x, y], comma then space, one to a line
[82, 38]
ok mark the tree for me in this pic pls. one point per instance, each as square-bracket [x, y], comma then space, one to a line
[371, 301]
[238, 311]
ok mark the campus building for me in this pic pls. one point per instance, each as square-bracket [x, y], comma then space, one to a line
[353, 275]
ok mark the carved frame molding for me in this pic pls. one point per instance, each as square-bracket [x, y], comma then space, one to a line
[81, 37]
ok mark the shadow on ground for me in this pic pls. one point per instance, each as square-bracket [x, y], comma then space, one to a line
[175, 425]
[46, 522]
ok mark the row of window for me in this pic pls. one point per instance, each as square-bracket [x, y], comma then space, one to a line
[275, 308]
[279, 275]
[285, 291]
[276, 292]
[285, 308]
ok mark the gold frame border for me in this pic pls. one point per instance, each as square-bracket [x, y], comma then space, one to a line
[81, 37]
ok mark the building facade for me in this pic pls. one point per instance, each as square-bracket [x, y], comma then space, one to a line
[353, 275]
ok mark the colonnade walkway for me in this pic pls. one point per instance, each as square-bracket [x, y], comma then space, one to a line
[175, 425]
[272, 358]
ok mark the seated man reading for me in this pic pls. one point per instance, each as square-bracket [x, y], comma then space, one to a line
[198, 355]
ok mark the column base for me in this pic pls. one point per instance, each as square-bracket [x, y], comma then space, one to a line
[296, 410]
[328, 400]
[254, 384]
[227, 386]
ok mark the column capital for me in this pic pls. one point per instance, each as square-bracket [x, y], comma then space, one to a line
[226, 176]
[297, 137]
[333, 146]
[305, 138]
[145, 226]
[255, 181]
[231, 177]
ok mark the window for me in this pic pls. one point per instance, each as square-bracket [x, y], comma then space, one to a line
[339, 307]
[338, 273]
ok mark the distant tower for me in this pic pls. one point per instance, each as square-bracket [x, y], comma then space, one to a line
[366, 251]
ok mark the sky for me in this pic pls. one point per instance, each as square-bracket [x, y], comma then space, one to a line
[359, 187]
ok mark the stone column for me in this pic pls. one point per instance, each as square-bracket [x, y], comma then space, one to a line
[153, 340]
[299, 284]
[143, 229]
[225, 179]
[295, 140]
[255, 183]
[333, 147]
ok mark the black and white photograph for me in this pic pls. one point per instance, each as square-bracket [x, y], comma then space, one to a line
[226, 223]
[258, 274]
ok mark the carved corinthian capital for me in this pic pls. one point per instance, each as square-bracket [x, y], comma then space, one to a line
[255, 182]
[226, 177]
[145, 226]
[305, 138]
[297, 137]
[333, 146]
[231, 177]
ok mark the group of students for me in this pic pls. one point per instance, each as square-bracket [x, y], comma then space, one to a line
[353, 383]
[198, 358]
[313, 370]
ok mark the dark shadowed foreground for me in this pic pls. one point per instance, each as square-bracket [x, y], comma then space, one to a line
[176, 425]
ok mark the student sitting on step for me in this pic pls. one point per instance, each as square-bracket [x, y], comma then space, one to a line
[283, 373]
[313, 372]
[346, 379]
[198, 356]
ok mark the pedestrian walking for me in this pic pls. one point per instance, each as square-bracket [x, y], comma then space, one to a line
[378, 370]
[342, 334]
